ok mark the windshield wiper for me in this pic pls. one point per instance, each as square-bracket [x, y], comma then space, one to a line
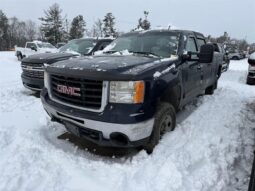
[110, 51]
[145, 53]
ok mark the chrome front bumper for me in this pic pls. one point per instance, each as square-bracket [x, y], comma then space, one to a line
[134, 132]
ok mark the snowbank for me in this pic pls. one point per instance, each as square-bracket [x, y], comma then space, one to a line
[211, 148]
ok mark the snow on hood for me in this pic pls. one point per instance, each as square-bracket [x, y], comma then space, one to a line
[49, 50]
[72, 52]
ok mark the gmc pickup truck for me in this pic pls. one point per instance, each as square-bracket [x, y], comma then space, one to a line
[129, 96]
[34, 47]
[32, 66]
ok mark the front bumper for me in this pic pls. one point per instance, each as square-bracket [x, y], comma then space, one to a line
[100, 132]
[35, 84]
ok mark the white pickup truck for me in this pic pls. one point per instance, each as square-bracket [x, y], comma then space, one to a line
[34, 47]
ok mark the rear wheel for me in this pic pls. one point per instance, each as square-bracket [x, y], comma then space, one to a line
[165, 120]
[210, 90]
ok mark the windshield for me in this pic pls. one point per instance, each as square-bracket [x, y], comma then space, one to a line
[45, 45]
[162, 44]
[82, 46]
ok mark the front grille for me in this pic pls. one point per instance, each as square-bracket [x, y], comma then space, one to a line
[33, 73]
[90, 91]
[251, 74]
[34, 65]
[34, 70]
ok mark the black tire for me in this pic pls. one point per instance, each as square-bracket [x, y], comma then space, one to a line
[165, 120]
[210, 90]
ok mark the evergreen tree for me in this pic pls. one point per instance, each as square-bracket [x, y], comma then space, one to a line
[109, 24]
[144, 23]
[77, 27]
[3, 31]
[52, 24]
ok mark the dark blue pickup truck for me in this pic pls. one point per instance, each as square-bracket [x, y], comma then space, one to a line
[32, 66]
[129, 96]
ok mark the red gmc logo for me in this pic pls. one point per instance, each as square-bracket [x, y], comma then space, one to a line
[69, 90]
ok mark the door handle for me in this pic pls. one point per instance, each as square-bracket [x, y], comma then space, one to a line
[199, 67]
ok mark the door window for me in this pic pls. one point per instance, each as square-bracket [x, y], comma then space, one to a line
[29, 45]
[191, 46]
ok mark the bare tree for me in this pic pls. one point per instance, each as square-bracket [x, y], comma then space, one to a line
[31, 30]
[98, 27]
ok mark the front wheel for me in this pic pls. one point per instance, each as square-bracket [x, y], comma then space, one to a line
[165, 120]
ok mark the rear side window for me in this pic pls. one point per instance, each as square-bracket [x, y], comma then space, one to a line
[200, 42]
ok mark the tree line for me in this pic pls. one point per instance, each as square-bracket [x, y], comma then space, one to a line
[56, 28]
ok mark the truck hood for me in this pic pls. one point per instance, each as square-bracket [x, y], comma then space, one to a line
[48, 58]
[111, 66]
[48, 50]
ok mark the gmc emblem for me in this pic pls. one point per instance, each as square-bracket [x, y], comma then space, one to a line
[73, 91]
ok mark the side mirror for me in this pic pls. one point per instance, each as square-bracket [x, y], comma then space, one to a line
[206, 53]
[33, 48]
[186, 56]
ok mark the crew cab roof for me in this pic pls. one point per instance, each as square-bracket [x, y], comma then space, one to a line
[185, 32]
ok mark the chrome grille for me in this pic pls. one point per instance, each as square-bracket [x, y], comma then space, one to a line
[34, 70]
[90, 94]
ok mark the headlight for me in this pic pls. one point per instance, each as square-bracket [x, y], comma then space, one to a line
[127, 91]
[46, 80]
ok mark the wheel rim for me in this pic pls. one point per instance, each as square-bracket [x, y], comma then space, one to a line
[166, 124]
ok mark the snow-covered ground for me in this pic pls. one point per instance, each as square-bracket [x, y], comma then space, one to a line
[211, 148]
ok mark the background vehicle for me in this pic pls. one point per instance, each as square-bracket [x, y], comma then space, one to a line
[32, 66]
[60, 44]
[225, 62]
[251, 70]
[235, 55]
[129, 97]
[34, 47]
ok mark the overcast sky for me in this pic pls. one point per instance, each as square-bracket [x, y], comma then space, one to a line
[206, 16]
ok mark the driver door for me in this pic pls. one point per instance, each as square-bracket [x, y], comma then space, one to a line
[29, 51]
[191, 72]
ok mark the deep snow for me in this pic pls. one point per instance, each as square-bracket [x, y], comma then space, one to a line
[210, 149]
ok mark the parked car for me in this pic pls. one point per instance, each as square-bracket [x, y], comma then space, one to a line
[220, 50]
[34, 47]
[251, 70]
[129, 96]
[235, 55]
[33, 66]
[60, 44]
